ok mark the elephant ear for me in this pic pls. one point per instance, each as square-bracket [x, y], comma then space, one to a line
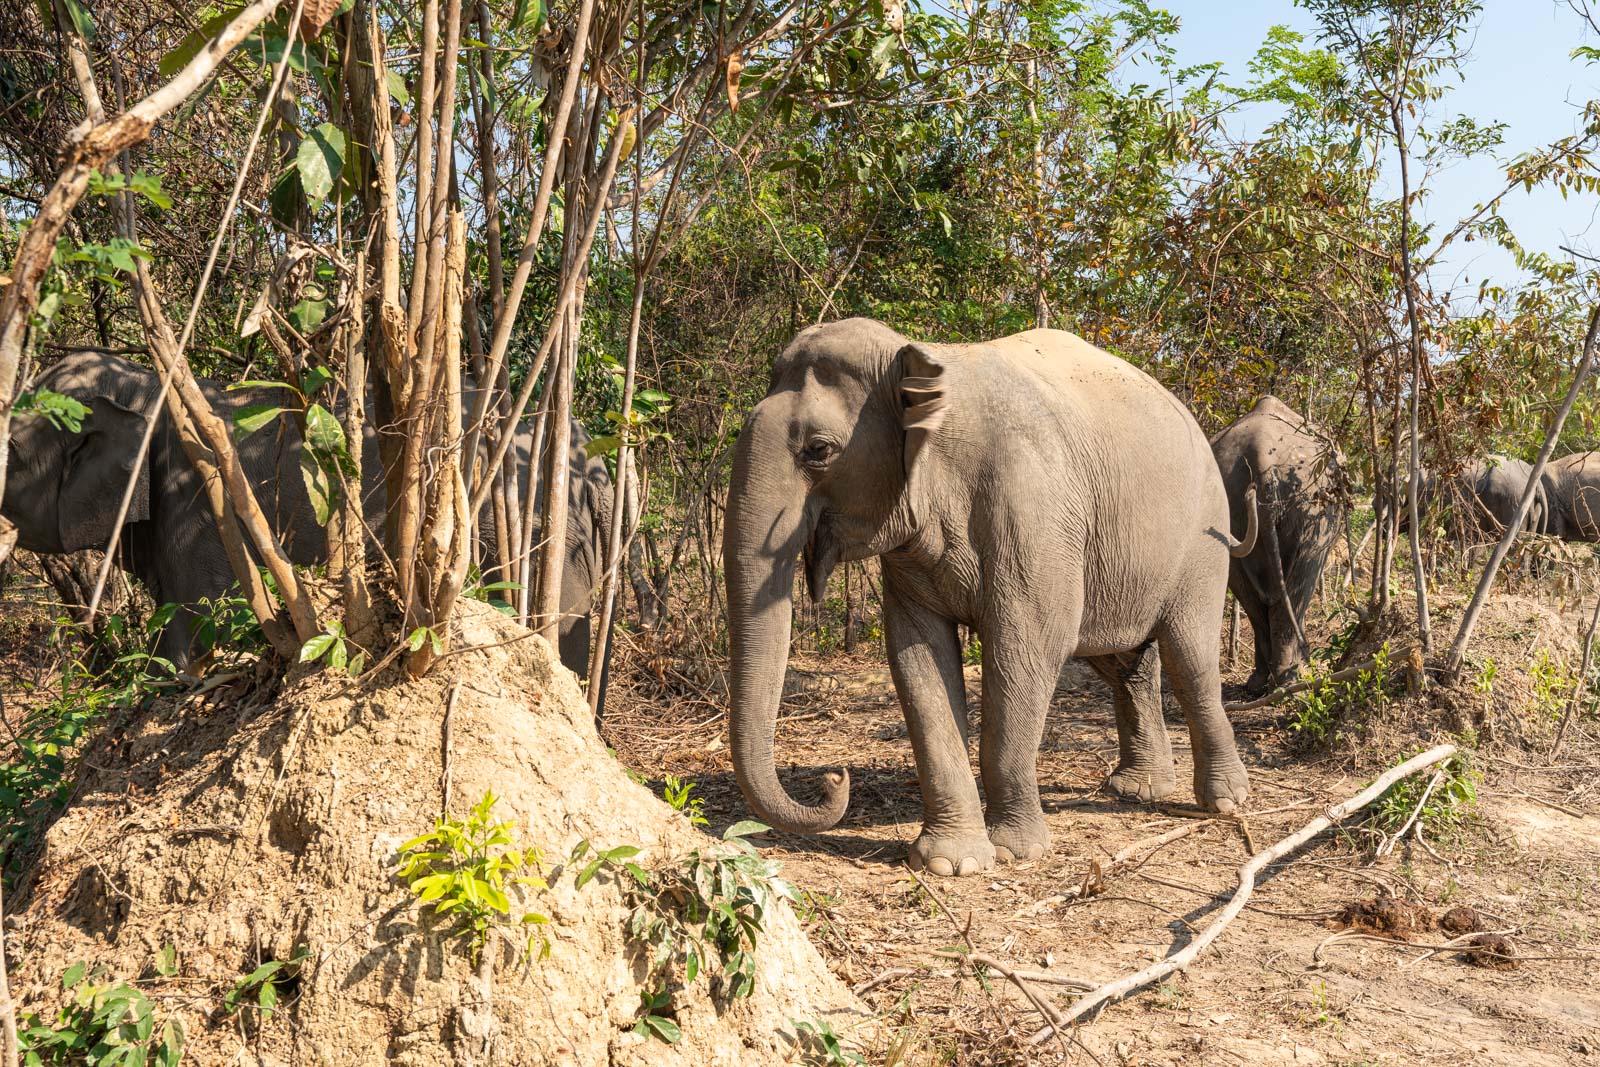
[98, 465]
[923, 398]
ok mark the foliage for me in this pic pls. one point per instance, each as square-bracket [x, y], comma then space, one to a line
[1448, 806]
[467, 870]
[333, 643]
[823, 1046]
[675, 791]
[265, 985]
[104, 1023]
[1315, 714]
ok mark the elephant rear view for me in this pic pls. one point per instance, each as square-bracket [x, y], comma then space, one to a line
[1046, 494]
[1485, 494]
[1296, 475]
[1572, 484]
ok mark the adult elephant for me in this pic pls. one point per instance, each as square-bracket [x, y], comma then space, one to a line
[1048, 495]
[1296, 475]
[1485, 494]
[1572, 484]
[63, 490]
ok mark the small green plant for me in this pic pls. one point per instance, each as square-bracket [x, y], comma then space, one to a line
[652, 1002]
[421, 634]
[265, 986]
[467, 869]
[477, 589]
[822, 1046]
[1447, 807]
[1485, 679]
[675, 791]
[703, 913]
[335, 644]
[1553, 684]
[228, 624]
[105, 1023]
[1315, 714]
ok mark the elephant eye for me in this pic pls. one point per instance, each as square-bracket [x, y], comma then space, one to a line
[817, 453]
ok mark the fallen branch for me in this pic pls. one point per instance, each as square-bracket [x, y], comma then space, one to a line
[1247, 883]
[1120, 863]
[1343, 675]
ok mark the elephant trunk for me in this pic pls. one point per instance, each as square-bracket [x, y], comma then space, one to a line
[766, 526]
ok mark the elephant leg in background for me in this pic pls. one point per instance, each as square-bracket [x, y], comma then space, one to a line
[1260, 631]
[1144, 767]
[1021, 660]
[1190, 643]
[925, 662]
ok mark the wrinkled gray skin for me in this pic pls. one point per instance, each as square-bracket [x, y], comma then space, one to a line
[1048, 495]
[1572, 484]
[1483, 498]
[1300, 510]
[63, 491]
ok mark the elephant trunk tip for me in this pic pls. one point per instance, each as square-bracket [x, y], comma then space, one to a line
[794, 817]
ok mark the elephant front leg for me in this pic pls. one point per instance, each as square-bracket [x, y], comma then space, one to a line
[925, 661]
[1144, 767]
[1019, 677]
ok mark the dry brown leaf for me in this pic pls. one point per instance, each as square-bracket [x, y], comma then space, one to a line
[735, 68]
[315, 15]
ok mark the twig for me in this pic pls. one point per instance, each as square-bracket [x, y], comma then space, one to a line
[1247, 881]
[1337, 676]
[449, 737]
[1362, 935]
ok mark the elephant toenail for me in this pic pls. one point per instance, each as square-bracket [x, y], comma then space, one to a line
[940, 866]
[969, 865]
[1223, 806]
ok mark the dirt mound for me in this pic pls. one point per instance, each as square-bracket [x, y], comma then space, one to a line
[254, 832]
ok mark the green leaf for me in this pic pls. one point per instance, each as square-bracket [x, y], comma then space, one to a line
[319, 160]
[306, 316]
[167, 960]
[74, 975]
[268, 999]
[314, 379]
[82, 24]
[149, 187]
[319, 487]
[325, 437]
[744, 828]
[665, 1029]
[247, 420]
[419, 635]
[528, 15]
[316, 648]
[170, 1052]
[588, 873]
[397, 86]
[602, 446]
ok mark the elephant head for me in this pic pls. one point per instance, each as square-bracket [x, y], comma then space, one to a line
[63, 488]
[826, 468]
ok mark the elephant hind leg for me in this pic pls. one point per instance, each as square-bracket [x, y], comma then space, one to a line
[1144, 765]
[1190, 649]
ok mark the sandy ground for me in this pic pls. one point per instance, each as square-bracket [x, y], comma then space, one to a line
[1274, 989]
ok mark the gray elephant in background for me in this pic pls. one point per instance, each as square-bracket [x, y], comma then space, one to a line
[1048, 495]
[63, 490]
[1483, 498]
[1296, 475]
[1572, 485]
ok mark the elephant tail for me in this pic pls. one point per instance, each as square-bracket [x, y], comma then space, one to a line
[1246, 545]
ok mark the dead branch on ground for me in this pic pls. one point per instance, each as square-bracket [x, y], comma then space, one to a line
[1247, 882]
[1342, 675]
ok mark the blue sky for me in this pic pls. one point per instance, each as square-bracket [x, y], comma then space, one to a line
[1519, 73]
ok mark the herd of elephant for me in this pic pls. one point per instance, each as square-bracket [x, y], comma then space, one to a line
[1051, 497]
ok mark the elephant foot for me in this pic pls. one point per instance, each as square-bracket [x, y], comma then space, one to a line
[1221, 786]
[1259, 684]
[1019, 840]
[948, 856]
[1143, 784]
